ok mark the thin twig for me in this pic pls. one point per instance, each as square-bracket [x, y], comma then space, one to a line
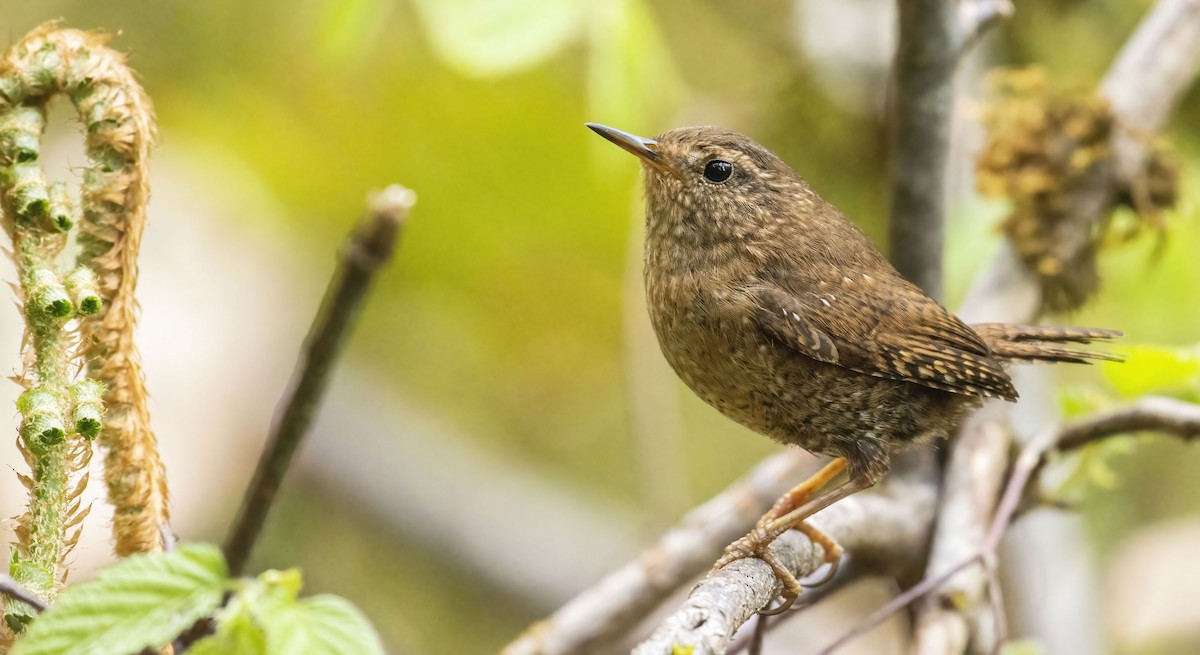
[1151, 413]
[15, 591]
[368, 250]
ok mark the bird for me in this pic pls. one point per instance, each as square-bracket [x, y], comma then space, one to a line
[777, 310]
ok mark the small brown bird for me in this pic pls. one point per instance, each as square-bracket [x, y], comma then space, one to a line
[779, 312]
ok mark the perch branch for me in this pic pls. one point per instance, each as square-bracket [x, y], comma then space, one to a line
[876, 527]
[369, 249]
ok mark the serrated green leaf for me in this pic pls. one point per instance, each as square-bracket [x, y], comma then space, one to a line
[494, 37]
[143, 601]
[321, 625]
[1153, 368]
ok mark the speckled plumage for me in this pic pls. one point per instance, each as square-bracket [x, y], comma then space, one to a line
[779, 312]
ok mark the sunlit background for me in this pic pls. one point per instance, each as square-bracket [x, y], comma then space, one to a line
[502, 430]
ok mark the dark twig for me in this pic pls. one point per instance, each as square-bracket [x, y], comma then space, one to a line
[15, 591]
[368, 250]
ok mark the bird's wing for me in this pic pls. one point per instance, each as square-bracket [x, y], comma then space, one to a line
[898, 333]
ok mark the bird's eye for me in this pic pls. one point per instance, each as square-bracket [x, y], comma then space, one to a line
[717, 170]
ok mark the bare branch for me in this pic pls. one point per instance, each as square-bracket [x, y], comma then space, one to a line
[369, 249]
[1152, 72]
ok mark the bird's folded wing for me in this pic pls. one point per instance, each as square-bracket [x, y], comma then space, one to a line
[903, 335]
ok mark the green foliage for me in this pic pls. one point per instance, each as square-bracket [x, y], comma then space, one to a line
[142, 601]
[265, 616]
[321, 625]
[149, 600]
[485, 37]
[1154, 369]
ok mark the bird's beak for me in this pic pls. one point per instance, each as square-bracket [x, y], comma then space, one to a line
[645, 149]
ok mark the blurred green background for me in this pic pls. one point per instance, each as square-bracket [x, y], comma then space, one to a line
[512, 313]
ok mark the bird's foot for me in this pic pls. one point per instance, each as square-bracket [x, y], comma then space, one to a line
[756, 544]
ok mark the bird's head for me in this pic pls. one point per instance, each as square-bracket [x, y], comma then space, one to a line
[709, 183]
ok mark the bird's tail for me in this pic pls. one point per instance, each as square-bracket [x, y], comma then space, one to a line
[1035, 343]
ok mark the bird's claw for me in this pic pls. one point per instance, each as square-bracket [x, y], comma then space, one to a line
[755, 544]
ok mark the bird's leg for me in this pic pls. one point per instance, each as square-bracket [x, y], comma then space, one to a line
[786, 515]
[803, 491]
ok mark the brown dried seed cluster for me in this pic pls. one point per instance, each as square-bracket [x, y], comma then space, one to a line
[1045, 145]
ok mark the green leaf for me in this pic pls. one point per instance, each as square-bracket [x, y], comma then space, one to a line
[1153, 368]
[495, 37]
[143, 601]
[321, 625]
